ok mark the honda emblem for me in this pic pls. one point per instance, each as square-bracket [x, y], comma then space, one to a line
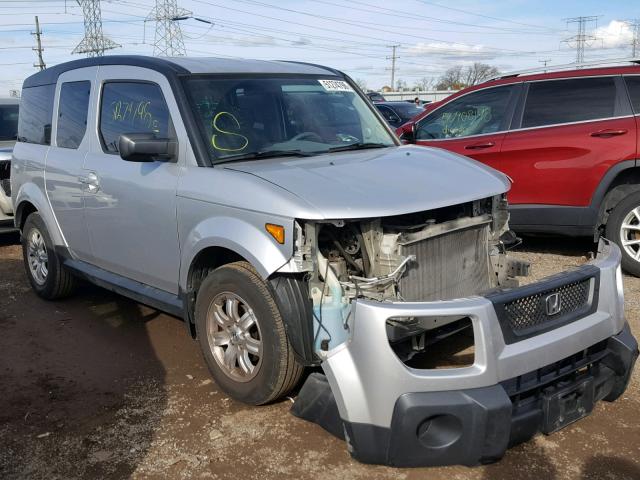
[553, 304]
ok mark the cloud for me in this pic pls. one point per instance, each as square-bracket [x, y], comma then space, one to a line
[449, 49]
[301, 42]
[615, 35]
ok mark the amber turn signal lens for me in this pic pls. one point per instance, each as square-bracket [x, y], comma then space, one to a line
[276, 231]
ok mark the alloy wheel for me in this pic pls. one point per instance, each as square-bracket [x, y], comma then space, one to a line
[234, 337]
[38, 258]
[630, 233]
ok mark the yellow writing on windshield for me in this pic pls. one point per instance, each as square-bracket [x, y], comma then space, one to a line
[231, 141]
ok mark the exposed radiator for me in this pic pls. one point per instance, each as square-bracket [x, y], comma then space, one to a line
[451, 265]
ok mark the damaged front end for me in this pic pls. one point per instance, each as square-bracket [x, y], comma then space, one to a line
[451, 252]
[432, 354]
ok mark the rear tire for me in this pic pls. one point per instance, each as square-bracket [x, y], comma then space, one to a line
[48, 277]
[623, 227]
[242, 336]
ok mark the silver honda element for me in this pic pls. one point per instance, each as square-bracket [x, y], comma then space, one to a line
[270, 206]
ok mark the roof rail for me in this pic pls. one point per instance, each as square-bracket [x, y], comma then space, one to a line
[566, 66]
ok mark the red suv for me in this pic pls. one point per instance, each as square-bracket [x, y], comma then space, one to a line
[567, 139]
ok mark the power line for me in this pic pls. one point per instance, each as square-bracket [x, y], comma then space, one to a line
[581, 39]
[94, 42]
[41, 65]
[169, 41]
[486, 16]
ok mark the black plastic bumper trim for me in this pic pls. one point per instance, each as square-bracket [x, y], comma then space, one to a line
[467, 427]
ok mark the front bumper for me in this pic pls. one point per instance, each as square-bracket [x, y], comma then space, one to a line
[397, 415]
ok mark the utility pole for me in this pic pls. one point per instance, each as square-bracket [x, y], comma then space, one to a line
[41, 65]
[544, 62]
[581, 39]
[94, 42]
[393, 59]
[168, 40]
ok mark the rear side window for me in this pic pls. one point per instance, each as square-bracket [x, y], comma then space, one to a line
[476, 113]
[72, 113]
[36, 110]
[8, 122]
[129, 107]
[566, 101]
[633, 85]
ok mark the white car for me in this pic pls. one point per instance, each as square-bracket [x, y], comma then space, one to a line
[8, 134]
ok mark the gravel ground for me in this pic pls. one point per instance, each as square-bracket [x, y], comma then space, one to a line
[98, 386]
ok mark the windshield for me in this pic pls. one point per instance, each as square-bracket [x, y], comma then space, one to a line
[306, 115]
[8, 122]
[407, 111]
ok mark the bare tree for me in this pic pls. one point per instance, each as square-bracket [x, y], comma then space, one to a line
[401, 85]
[362, 83]
[458, 77]
[451, 79]
[425, 83]
[478, 73]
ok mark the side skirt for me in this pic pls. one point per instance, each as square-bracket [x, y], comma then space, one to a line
[132, 289]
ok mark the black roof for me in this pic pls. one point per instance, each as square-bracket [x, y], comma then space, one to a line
[50, 75]
[170, 67]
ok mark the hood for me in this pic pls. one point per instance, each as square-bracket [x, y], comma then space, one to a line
[380, 182]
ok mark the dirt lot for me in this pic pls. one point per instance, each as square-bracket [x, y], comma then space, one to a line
[98, 386]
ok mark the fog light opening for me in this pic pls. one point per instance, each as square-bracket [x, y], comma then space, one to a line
[437, 342]
[439, 431]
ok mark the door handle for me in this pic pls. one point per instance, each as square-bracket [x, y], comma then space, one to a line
[479, 146]
[90, 181]
[609, 132]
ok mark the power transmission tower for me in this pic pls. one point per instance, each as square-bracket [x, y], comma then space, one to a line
[393, 59]
[168, 41]
[581, 39]
[635, 41]
[38, 49]
[94, 42]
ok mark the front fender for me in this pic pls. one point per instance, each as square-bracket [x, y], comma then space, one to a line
[243, 233]
[30, 193]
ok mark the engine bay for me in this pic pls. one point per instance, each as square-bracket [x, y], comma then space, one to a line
[452, 252]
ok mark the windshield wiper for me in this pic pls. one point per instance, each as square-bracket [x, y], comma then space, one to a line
[358, 146]
[264, 154]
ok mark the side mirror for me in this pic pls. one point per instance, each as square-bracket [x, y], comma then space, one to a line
[145, 147]
[408, 134]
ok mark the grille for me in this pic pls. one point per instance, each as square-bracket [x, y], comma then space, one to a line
[528, 312]
[452, 265]
[522, 312]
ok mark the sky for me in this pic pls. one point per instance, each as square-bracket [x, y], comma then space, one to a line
[354, 36]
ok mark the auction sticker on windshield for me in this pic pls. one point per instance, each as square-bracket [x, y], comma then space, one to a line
[335, 86]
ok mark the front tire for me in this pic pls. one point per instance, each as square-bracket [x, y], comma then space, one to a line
[48, 277]
[242, 336]
[623, 227]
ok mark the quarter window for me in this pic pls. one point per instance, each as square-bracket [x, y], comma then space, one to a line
[633, 85]
[129, 107]
[566, 101]
[72, 113]
[476, 113]
[36, 110]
